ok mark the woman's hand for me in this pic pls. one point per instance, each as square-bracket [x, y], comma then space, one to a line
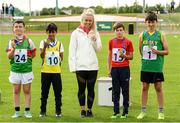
[92, 35]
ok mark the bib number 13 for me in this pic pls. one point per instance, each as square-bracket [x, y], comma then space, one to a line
[116, 52]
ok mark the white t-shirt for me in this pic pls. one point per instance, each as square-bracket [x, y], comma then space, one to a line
[31, 43]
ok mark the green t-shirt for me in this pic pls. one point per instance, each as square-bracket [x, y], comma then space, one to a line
[151, 62]
[22, 62]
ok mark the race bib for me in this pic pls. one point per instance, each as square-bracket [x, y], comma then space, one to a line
[116, 52]
[52, 58]
[20, 56]
[147, 53]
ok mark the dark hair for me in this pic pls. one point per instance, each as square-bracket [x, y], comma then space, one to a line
[151, 16]
[19, 21]
[51, 28]
[118, 25]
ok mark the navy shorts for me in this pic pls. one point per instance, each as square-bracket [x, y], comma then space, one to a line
[152, 77]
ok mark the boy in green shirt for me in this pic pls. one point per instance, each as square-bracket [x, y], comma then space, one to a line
[152, 46]
[21, 51]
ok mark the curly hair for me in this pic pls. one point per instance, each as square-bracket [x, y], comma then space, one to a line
[151, 16]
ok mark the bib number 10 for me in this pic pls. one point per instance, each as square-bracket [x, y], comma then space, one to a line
[52, 58]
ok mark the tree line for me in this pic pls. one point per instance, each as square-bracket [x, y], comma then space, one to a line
[135, 8]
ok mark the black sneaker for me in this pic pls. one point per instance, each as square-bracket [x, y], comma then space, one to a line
[115, 115]
[124, 115]
[89, 113]
[42, 114]
[83, 113]
[58, 114]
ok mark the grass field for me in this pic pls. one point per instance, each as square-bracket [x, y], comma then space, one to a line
[70, 108]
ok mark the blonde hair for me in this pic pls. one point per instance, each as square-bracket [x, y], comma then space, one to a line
[89, 12]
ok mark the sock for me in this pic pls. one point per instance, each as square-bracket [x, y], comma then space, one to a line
[17, 108]
[27, 109]
[161, 110]
[143, 109]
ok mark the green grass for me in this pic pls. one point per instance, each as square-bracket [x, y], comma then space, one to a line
[70, 107]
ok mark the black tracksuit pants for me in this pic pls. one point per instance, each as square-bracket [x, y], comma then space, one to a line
[120, 81]
[46, 80]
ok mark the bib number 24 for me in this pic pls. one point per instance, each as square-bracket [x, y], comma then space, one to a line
[20, 56]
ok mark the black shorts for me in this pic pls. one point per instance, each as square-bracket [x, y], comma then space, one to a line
[172, 7]
[151, 77]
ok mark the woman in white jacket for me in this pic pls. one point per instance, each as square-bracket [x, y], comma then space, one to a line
[85, 42]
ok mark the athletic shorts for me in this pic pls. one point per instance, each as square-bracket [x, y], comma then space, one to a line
[21, 78]
[151, 77]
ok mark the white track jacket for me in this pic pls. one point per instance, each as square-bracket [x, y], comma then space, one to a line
[82, 51]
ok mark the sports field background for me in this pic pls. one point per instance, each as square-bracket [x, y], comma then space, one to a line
[70, 107]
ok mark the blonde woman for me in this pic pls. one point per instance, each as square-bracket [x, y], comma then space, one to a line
[85, 42]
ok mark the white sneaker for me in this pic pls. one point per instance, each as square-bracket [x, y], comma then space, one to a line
[58, 115]
[161, 116]
[141, 115]
[27, 114]
[16, 114]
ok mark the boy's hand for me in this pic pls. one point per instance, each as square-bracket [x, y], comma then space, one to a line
[154, 51]
[13, 44]
[47, 42]
[109, 74]
[122, 55]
